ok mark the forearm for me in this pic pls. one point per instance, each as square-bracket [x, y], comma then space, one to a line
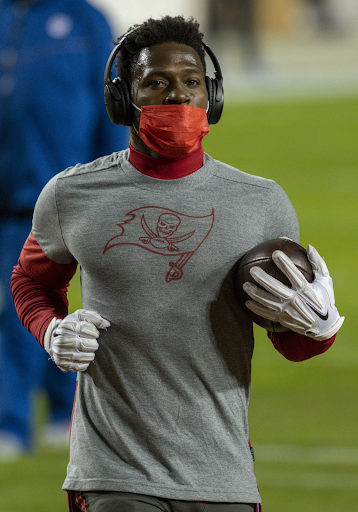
[296, 347]
[39, 288]
[35, 304]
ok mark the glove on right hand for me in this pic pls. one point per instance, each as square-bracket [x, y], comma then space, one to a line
[72, 342]
[306, 308]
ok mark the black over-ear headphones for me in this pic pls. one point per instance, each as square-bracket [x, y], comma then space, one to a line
[117, 92]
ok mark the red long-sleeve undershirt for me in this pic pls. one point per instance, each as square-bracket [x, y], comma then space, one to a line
[296, 347]
[39, 288]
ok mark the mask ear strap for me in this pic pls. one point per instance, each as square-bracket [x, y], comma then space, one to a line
[140, 110]
[135, 106]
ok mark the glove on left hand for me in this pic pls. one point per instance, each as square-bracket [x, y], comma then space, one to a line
[306, 308]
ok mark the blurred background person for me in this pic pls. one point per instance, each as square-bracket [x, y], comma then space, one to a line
[52, 116]
[238, 17]
[325, 18]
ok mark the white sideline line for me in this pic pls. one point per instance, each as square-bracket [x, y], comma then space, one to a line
[338, 455]
[298, 476]
[309, 480]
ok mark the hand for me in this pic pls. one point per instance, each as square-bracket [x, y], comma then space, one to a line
[72, 342]
[306, 308]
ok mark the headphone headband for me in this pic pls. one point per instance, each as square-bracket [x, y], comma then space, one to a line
[117, 91]
[111, 58]
[214, 60]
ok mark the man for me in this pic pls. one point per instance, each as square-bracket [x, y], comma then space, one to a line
[160, 418]
[51, 56]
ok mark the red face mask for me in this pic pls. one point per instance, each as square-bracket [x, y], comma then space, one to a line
[173, 131]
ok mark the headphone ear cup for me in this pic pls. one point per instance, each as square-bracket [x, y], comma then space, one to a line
[209, 87]
[117, 101]
[216, 99]
[109, 101]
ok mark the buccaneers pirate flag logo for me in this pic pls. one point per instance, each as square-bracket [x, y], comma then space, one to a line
[166, 233]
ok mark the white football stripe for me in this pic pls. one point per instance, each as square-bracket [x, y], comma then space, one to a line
[343, 455]
[308, 480]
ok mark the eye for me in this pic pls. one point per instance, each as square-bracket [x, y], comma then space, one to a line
[193, 82]
[157, 84]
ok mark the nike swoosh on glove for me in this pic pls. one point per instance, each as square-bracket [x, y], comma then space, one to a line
[306, 308]
[72, 342]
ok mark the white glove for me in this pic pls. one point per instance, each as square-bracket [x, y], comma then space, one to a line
[306, 308]
[72, 342]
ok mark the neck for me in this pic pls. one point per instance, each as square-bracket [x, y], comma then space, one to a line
[137, 144]
[165, 169]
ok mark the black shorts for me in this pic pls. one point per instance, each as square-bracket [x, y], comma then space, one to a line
[113, 501]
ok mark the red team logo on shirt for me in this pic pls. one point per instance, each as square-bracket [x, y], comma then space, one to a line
[165, 232]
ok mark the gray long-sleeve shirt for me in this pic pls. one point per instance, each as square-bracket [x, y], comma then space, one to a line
[163, 411]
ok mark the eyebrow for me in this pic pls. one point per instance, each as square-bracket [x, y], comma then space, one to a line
[166, 73]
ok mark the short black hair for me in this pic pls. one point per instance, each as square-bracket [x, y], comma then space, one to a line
[168, 29]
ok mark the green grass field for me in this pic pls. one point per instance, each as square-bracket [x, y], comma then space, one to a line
[303, 416]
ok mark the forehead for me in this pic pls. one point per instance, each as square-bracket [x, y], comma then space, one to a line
[167, 57]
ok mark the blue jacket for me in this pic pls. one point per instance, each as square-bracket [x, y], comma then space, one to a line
[52, 113]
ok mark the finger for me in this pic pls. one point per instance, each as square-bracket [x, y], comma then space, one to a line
[262, 311]
[262, 297]
[271, 284]
[299, 311]
[290, 270]
[88, 329]
[67, 326]
[82, 357]
[64, 369]
[288, 318]
[73, 367]
[316, 295]
[282, 318]
[80, 367]
[294, 324]
[72, 343]
[93, 317]
[83, 328]
[64, 341]
[62, 357]
[87, 345]
[317, 262]
[256, 292]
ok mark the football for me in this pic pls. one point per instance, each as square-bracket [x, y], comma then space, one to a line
[261, 256]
